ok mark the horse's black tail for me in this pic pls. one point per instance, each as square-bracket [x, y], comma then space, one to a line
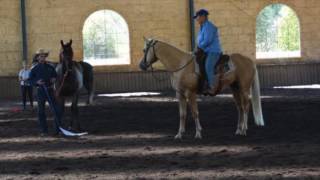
[88, 80]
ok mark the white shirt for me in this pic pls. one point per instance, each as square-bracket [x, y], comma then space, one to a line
[24, 75]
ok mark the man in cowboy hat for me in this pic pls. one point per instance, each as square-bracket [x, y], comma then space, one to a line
[208, 41]
[43, 77]
[36, 55]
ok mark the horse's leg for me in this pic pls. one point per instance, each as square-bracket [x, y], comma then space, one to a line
[90, 92]
[183, 115]
[238, 101]
[246, 107]
[61, 106]
[88, 84]
[240, 111]
[243, 108]
[75, 111]
[195, 114]
[88, 81]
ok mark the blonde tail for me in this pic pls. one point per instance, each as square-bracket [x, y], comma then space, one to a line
[256, 101]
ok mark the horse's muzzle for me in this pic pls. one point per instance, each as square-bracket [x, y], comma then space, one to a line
[143, 66]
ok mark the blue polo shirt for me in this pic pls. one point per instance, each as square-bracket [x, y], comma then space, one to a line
[208, 38]
[42, 71]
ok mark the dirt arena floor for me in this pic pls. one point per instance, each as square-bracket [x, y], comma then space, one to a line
[132, 138]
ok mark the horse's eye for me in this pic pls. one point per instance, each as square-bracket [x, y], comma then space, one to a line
[144, 50]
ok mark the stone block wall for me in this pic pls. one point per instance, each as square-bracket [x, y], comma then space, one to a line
[49, 21]
[10, 37]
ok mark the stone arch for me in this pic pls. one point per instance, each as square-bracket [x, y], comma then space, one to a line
[106, 39]
[277, 33]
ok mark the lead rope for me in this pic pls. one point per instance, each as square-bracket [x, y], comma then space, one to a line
[62, 83]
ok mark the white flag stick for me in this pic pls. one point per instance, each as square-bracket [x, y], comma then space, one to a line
[69, 133]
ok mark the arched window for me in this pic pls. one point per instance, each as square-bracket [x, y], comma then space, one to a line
[277, 33]
[106, 39]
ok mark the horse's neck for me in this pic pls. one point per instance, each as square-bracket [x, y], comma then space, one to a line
[171, 57]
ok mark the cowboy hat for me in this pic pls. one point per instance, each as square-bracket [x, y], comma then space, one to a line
[42, 51]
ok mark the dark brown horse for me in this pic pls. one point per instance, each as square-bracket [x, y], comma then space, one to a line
[72, 76]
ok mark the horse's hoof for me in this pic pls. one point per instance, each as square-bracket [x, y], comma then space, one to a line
[241, 132]
[198, 136]
[89, 103]
[178, 136]
[237, 132]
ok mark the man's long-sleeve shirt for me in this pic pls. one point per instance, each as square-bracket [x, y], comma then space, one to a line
[42, 71]
[208, 38]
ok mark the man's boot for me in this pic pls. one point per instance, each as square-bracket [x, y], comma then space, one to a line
[213, 91]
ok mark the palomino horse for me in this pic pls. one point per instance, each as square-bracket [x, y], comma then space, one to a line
[72, 76]
[242, 80]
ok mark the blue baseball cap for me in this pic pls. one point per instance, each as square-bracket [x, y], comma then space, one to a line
[201, 12]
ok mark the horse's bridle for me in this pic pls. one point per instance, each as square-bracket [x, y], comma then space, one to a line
[150, 44]
[65, 74]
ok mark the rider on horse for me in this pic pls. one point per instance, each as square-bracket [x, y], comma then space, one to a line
[209, 43]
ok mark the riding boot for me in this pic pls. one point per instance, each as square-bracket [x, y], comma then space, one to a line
[214, 91]
[205, 88]
[216, 88]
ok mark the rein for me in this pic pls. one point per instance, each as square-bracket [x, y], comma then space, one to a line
[62, 83]
[182, 67]
[170, 71]
[151, 45]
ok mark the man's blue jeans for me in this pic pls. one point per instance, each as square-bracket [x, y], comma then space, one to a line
[211, 61]
[42, 98]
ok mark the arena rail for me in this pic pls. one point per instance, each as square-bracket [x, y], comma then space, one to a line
[285, 74]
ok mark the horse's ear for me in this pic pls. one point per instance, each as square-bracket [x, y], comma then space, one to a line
[70, 42]
[62, 44]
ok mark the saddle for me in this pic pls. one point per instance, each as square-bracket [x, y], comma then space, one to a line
[221, 67]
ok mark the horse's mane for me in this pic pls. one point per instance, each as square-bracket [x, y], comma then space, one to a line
[175, 47]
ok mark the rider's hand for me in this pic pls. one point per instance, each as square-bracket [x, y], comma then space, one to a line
[200, 54]
[199, 50]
